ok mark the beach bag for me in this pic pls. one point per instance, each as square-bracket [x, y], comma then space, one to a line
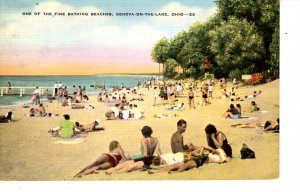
[247, 153]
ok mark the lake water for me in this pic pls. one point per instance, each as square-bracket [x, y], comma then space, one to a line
[69, 81]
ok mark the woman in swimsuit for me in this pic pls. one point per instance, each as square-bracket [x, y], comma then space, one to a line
[216, 139]
[149, 145]
[105, 160]
[191, 97]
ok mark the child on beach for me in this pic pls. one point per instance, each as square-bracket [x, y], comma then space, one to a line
[105, 160]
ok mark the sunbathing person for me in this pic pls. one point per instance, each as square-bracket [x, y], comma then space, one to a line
[6, 118]
[65, 129]
[217, 139]
[33, 112]
[149, 145]
[177, 144]
[105, 160]
[165, 115]
[232, 112]
[195, 159]
[272, 126]
[255, 94]
[254, 107]
[139, 98]
[42, 110]
[178, 107]
[88, 127]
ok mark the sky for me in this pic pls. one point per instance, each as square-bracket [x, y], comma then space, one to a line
[39, 44]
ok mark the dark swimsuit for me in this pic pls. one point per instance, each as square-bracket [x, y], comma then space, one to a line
[200, 160]
[191, 97]
[113, 159]
[226, 147]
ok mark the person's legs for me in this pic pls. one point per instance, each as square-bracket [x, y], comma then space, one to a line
[135, 166]
[120, 167]
[186, 166]
[100, 160]
[168, 169]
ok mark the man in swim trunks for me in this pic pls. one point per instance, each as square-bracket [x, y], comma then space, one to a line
[191, 97]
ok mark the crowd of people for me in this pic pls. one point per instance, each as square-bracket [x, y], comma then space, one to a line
[120, 103]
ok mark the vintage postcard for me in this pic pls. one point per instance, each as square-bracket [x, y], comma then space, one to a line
[139, 90]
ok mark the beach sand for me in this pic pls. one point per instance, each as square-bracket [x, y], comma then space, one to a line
[29, 153]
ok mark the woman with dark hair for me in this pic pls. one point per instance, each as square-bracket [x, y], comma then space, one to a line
[141, 161]
[217, 139]
[232, 112]
[149, 145]
[105, 160]
[254, 107]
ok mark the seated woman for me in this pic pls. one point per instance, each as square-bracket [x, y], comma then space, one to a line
[196, 159]
[232, 112]
[149, 145]
[254, 107]
[6, 118]
[217, 139]
[105, 160]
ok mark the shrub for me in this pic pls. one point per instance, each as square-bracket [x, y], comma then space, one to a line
[256, 78]
[237, 74]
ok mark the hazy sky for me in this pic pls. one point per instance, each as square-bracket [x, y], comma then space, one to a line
[39, 44]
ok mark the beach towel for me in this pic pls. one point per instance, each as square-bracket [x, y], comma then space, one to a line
[261, 112]
[79, 138]
[242, 118]
[133, 119]
[70, 142]
[174, 109]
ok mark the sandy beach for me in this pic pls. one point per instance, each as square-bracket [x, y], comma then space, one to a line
[29, 153]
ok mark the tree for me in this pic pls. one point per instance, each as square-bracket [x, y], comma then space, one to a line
[170, 68]
[237, 45]
[274, 50]
[160, 51]
[263, 13]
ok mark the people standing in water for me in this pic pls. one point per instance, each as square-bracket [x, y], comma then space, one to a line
[9, 91]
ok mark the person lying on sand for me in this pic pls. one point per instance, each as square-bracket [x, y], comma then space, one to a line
[165, 116]
[178, 107]
[88, 127]
[6, 118]
[255, 94]
[105, 160]
[195, 159]
[272, 126]
[138, 98]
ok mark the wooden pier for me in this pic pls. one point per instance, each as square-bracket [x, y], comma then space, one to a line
[21, 90]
